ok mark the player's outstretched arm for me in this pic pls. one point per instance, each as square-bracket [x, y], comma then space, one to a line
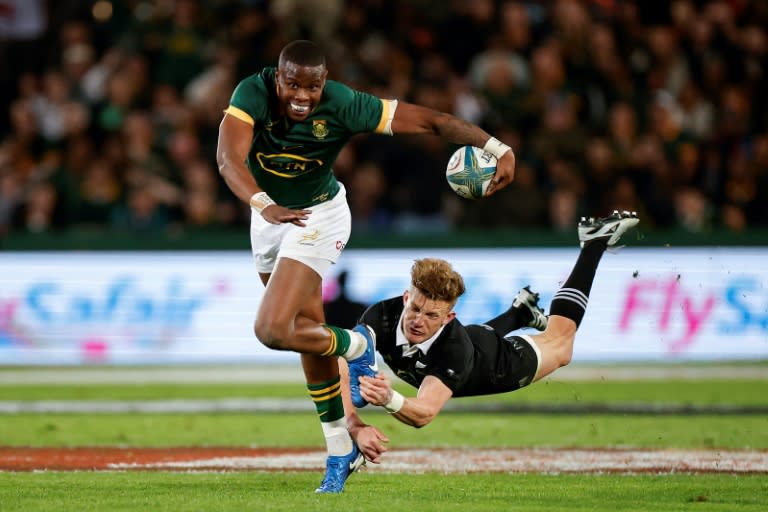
[416, 412]
[415, 119]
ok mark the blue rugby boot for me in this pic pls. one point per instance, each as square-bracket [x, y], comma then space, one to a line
[337, 470]
[363, 365]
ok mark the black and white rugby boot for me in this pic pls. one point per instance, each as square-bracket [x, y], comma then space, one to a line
[607, 228]
[527, 299]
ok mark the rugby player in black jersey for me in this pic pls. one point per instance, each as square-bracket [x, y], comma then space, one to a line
[424, 344]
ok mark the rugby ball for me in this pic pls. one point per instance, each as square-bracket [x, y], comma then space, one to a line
[470, 171]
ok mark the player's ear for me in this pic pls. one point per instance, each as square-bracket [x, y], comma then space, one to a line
[450, 316]
[405, 298]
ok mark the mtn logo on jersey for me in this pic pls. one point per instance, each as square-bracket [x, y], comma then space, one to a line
[319, 128]
[287, 165]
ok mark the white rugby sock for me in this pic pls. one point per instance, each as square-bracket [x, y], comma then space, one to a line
[337, 438]
[357, 345]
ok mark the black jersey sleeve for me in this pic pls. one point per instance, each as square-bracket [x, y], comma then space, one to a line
[372, 316]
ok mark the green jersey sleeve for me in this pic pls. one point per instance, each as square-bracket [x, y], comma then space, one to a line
[250, 97]
[360, 111]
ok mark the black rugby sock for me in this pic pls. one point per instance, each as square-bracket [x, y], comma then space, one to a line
[571, 300]
[510, 320]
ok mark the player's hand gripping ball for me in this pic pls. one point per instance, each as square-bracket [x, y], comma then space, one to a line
[470, 171]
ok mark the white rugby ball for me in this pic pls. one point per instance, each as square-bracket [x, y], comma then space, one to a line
[470, 171]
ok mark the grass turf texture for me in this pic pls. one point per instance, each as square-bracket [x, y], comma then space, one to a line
[449, 429]
[702, 392]
[470, 430]
[159, 491]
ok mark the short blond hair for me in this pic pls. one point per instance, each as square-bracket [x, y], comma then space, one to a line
[437, 280]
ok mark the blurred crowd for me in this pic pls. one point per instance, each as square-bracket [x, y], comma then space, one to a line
[110, 108]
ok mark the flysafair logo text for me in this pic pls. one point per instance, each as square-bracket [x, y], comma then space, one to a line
[121, 302]
[121, 311]
[682, 315]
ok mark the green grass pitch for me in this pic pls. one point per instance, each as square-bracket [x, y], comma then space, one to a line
[291, 491]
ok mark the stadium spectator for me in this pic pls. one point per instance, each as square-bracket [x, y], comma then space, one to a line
[141, 211]
[100, 193]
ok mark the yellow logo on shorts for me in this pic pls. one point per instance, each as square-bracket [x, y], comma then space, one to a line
[309, 237]
[319, 128]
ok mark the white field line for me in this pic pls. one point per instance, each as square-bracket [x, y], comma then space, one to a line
[462, 461]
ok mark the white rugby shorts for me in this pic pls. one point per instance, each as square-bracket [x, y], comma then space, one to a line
[318, 245]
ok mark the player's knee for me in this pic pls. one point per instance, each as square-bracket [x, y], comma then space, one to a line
[270, 334]
[565, 353]
[557, 348]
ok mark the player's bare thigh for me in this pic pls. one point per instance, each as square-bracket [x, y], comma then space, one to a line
[292, 288]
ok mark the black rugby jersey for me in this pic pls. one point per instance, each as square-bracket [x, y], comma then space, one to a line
[470, 360]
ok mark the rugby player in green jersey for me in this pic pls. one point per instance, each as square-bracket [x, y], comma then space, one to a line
[278, 141]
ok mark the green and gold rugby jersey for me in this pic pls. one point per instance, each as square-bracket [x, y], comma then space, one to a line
[293, 161]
